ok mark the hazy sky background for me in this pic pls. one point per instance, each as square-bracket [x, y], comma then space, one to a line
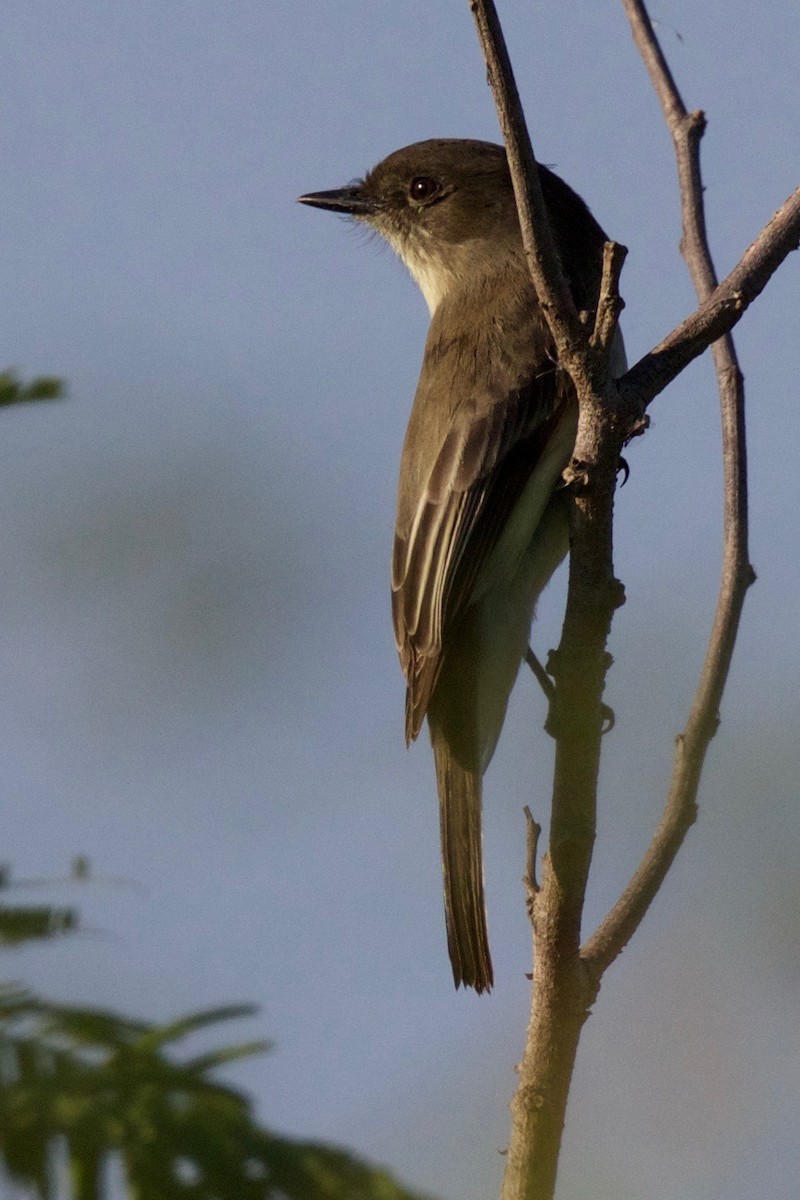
[200, 689]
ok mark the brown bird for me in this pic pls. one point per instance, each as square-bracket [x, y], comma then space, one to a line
[481, 520]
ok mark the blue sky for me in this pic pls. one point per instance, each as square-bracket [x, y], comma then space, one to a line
[200, 686]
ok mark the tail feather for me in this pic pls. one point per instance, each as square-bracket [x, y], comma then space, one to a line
[462, 867]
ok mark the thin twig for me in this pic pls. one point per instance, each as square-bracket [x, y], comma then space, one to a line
[737, 574]
[720, 311]
[533, 831]
[540, 675]
[549, 688]
[610, 304]
[543, 261]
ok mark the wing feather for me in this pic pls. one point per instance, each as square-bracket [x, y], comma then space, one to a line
[487, 455]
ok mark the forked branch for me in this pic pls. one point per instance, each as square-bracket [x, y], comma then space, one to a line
[720, 310]
[737, 574]
[566, 979]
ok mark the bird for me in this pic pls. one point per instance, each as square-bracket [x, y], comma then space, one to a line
[482, 513]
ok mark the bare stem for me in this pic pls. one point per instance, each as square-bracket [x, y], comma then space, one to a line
[610, 304]
[720, 309]
[562, 989]
[566, 980]
[737, 574]
[543, 261]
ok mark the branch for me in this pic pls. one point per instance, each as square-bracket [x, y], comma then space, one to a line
[543, 262]
[720, 310]
[565, 980]
[609, 304]
[731, 299]
[562, 989]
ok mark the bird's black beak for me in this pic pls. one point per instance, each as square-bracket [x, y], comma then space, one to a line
[349, 200]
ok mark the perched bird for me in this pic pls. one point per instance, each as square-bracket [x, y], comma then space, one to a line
[481, 520]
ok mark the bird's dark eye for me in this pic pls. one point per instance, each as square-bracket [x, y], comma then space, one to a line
[423, 187]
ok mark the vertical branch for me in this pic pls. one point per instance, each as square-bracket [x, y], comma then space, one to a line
[566, 980]
[687, 130]
[543, 262]
[691, 746]
[563, 990]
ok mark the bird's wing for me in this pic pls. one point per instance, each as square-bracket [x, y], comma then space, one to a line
[489, 451]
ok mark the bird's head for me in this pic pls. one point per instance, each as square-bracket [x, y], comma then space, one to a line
[446, 206]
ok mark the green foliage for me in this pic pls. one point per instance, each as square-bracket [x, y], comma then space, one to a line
[45, 387]
[102, 1087]
[31, 922]
[306, 1170]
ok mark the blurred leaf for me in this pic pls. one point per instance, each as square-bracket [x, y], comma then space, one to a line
[45, 387]
[193, 1021]
[301, 1170]
[99, 1086]
[28, 924]
[218, 1058]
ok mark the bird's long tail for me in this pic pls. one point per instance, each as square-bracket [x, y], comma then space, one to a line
[462, 867]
